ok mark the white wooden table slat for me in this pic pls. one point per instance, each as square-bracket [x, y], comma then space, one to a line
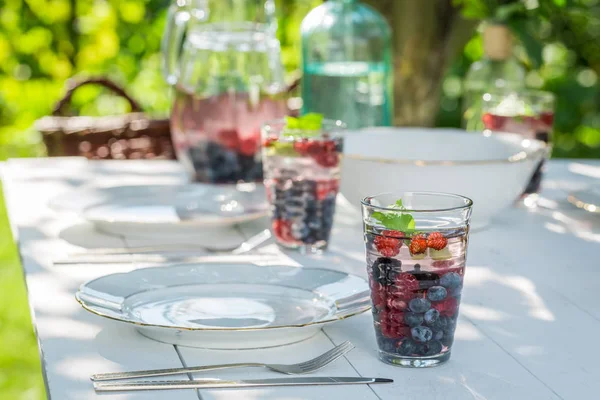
[529, 316]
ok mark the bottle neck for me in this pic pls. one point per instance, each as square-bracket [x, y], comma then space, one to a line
[497, 42]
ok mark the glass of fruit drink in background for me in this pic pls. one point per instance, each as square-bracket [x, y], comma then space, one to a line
[416, 246]
[301, 159]
[528, 113]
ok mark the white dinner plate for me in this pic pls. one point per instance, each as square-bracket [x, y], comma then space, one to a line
[227, 306]
[165, 208]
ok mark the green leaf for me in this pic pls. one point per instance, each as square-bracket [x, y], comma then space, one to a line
[306, 126]
[403, 222]
[311, 122]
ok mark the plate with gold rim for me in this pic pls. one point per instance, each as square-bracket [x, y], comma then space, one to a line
[227, 306]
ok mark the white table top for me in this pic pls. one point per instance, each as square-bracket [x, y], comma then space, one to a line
[530, 313]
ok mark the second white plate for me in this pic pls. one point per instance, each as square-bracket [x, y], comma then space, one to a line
[168, 209]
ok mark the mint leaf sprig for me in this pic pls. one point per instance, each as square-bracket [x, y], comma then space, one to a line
[397, 221]
[308, 125]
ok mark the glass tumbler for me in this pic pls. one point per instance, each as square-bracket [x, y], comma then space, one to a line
[302, 176]
[416, 245]
[528, 113]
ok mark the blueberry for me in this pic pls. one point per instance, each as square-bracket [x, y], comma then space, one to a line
[437, 293]
[407, 347]
[431, 316]
[413, 319]
[438, 335]
[300, 231]
[223, 164]
[456, 292]
[431, 348]
[251, 168]
[450, 326]
[440, 324]
[421, 334]
[448, 339]
[384, 269]
[450, 280]
[386, 344]
[419, 305]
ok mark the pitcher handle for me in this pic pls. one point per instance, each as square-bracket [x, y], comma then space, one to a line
[179, 15]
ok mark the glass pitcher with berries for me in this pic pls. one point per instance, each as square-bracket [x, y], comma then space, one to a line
[228, 79]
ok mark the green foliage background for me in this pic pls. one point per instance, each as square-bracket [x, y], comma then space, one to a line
[45, 42]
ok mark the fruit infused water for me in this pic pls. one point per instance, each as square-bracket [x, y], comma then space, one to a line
[530, 114]
[416, 266]
[302, 173]
[218, 138]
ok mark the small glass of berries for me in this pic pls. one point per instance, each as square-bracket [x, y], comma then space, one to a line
[301, 161]
[416, 246]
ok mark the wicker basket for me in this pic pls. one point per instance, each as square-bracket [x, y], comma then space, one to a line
[130, 136]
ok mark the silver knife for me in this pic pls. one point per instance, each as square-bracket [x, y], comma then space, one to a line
[217, 383]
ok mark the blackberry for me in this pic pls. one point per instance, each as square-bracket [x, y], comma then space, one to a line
[385, 270]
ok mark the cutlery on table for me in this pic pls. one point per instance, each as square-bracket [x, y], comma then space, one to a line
[290, 369]
[247, 245]
[216, 383]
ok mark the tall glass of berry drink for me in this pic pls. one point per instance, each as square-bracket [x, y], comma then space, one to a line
[302, 174]
[416, 246]
[528, 113]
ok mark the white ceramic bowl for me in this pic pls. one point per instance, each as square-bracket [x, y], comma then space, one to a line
[491, 170]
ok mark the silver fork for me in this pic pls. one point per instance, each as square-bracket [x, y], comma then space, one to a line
[289, 369]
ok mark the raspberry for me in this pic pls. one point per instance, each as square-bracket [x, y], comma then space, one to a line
[248, 146]
[387, 246]
[447, 307]
[229, 138]
[378, 296]
[547, 118]
[418, 245]
[396, 318]
[442, 264]
[493, 122]
[327, 160]
[283, 230]
[314, 147]
[301, 146]
[436, 241]
[268, 142]
[395, 303]
[329, 146]
[326, 188]
[390, 331]
[404, 287]
[394, 234]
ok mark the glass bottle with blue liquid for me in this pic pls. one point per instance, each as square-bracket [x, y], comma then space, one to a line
[347, 64]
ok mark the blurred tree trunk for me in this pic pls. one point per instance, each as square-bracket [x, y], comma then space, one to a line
[427, 35]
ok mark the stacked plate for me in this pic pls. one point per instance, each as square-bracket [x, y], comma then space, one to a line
[167, 209]
[210, 305]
